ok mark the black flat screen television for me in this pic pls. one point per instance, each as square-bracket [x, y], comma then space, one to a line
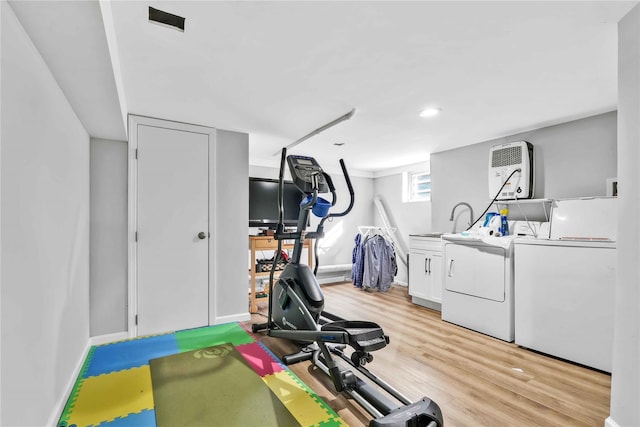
[263, 203]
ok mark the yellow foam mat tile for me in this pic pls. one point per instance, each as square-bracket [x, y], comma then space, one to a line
[104, 397]
[302, 405]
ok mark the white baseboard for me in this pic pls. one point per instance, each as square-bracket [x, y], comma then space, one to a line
[62, 401]
[332, 268]
[610, 423]
[109, 338]
[240, 317]
[332, 279]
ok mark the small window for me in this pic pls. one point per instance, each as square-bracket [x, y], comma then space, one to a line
[417, 187]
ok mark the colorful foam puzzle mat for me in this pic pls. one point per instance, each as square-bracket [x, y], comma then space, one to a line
[113, 388]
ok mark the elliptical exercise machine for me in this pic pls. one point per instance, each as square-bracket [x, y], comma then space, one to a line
[296, 305]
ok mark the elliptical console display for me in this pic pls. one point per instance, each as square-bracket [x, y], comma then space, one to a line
[303, 171]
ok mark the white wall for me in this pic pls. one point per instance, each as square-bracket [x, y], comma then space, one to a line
[45, 235]
[572, 159]
[108, 254]
[231, 207]
[407, 218]
[625, 379]
[2, 8]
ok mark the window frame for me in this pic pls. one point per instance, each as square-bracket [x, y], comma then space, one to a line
[411, 180]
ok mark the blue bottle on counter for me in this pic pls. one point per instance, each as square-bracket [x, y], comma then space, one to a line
[504, 223]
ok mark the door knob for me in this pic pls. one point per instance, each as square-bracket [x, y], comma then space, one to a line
[202, 235]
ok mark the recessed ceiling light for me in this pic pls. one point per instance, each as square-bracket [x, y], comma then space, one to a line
[430, 112]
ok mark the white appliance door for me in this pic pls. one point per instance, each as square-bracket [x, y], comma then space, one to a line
[582, 219]
[172, 267]
[564, 301]
[475, 270]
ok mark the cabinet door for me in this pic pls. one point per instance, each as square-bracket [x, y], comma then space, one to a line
[435, 276]
[425, 274]
[418, 274]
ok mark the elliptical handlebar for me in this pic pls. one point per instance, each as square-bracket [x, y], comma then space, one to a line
[332, 187]
[310, 179]
[280, 227]
[351, 193]
[320, 228]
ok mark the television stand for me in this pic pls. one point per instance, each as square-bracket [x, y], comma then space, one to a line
[268, 243]
[267, 232]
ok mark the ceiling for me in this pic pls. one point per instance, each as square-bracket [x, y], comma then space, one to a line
[280, 69]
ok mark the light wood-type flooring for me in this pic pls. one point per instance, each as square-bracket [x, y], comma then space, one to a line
[477, 380]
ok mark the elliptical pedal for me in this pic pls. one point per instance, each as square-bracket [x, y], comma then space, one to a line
[363, 336]
[423, 413]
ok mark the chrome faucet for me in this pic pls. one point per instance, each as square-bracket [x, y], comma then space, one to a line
[470, 212]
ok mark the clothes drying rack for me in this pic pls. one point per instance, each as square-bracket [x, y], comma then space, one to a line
[369, 230]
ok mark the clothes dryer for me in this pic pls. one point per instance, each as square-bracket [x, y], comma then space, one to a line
[478, 284]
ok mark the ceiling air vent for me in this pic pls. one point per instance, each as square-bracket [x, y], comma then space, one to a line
[165, 18]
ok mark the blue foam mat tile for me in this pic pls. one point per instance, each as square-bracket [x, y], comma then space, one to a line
[130, 354]
[145, 418]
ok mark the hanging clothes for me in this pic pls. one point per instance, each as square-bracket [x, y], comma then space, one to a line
[380, 265]
[357, 259]
[374, 261]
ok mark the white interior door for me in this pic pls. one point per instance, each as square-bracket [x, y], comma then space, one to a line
[172, 230]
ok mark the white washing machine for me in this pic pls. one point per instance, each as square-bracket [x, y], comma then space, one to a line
[478, 284]
[564, 286]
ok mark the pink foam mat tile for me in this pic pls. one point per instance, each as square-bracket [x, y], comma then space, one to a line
[260, 359]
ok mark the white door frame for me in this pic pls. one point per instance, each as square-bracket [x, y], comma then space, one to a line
[132, 185]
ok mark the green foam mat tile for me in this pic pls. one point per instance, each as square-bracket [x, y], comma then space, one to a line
[333, 422]
[193, 339]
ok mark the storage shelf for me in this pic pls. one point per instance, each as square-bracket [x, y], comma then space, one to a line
[533, 209]
[522, 201]
[261, 243]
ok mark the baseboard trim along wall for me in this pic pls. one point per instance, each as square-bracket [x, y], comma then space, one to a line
[610, 423]
[62, 400]
[240, 317]
[109, 338]
[332, 279]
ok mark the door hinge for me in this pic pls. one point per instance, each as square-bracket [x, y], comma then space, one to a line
[136, 320]
[136, 236]
[136, 154]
